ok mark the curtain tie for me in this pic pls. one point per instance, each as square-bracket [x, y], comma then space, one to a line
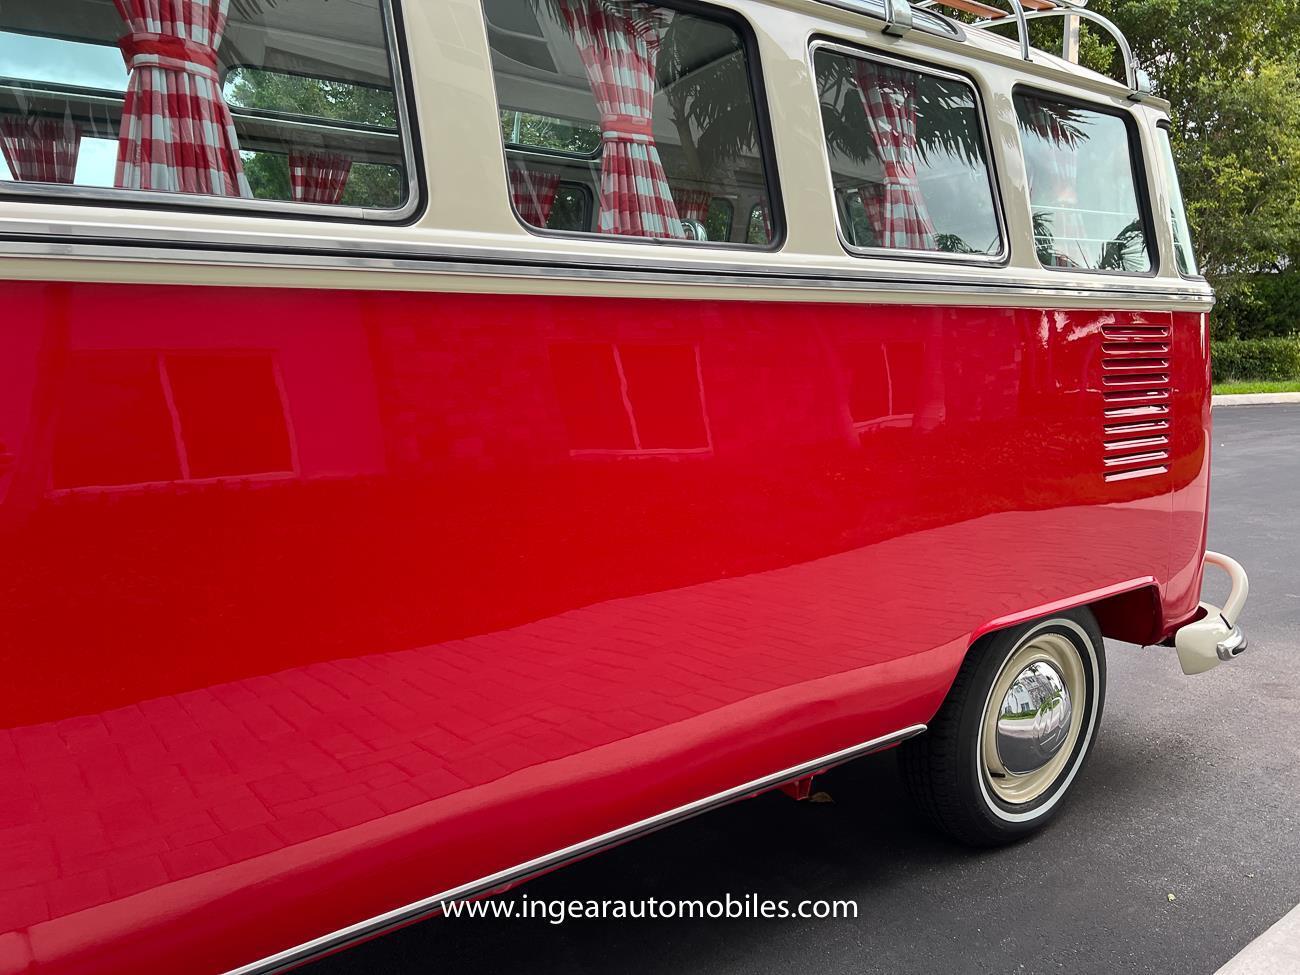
[143, 49]
[627, 128]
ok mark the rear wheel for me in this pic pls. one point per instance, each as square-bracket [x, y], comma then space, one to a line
[1014, 731]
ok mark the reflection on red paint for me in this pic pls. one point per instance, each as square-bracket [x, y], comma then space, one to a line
[369, 595]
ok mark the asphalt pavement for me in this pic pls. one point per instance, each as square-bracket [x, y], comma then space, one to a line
[1181, 843]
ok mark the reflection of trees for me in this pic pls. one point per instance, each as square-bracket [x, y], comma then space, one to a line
[368, 184]
[954, 244]
[1060, 127]
[712, 106]
[1044, 239]
[543, 131]
[1127, 251]
[706, 84]
[946, 124]
[947, 127]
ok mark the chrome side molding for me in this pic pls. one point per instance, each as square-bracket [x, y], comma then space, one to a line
[430, 906]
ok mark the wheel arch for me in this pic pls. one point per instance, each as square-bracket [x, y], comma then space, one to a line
[1127, 611]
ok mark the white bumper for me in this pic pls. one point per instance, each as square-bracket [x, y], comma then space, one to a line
[1215, 637]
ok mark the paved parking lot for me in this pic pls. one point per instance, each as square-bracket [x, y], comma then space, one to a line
[1192, 792]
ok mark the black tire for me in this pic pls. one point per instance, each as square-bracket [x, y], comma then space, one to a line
[945, 770]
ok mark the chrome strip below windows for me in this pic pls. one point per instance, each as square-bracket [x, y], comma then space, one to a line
[292, 957]
[250, 251]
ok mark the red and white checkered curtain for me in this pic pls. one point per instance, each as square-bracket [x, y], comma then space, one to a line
[177, 133]
[692, 204]
[889, 98]
[316, 176]
[619, 47]
[40, 150]
[533, 191]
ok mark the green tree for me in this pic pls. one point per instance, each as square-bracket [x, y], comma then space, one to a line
[1231, 73]
[369, 184]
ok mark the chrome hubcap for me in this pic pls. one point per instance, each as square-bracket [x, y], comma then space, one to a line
[1030, 724]
[1034, 720]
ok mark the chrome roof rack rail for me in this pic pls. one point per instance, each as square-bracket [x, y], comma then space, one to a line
[898, 17]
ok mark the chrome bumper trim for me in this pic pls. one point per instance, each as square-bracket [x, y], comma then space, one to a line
[1234, 645]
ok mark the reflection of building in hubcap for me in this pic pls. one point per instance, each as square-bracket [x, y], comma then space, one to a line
[1034, 720]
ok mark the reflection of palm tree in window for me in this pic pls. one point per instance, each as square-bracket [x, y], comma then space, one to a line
[1126, 251]
[701, 69]
[709, 92]
[947, 129]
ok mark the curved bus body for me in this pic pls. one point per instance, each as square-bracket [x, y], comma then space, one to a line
[358, 556]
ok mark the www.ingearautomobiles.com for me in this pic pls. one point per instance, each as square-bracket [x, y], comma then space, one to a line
[746, 907]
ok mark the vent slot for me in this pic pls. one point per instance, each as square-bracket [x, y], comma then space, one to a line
[1136, 388]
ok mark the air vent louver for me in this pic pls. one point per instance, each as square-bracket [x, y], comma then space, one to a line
[1136, 394]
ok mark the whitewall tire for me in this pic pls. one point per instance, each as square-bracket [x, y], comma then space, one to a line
[1014, 731]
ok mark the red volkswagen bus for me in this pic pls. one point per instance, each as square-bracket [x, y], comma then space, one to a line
[443, 440]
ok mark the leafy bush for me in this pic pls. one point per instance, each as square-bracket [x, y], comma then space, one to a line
[1257, 306]
[1274, 358]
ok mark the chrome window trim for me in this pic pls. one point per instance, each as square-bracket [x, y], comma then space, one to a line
[1003, 256]
[429, 906]
[108, 196]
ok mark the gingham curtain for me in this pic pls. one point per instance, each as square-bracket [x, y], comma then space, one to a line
[889, 97]
[619, 49]
[533, 191]
[40, 150]
[177, 133]
[316, 176]
[692, 204]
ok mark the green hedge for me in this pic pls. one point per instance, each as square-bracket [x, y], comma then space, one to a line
[1255, 359]
[1257, 306]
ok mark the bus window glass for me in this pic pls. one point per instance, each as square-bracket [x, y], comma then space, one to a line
[528, 130]
[1082, 187]
[908, 158]
[572, 209]
[648, 106]
[719, 218]
[1184, 256]
[291, 101]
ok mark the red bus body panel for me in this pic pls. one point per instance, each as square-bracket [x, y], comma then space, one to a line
[314, 604]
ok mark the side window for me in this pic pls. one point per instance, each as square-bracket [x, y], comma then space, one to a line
[908, 157]
[759, 226]
[1082, 186]
[652, 104]
[721, 215]
[1184, 256]
[572, 209]
[290, 101]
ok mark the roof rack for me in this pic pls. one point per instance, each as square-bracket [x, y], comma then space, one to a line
[899, 19]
